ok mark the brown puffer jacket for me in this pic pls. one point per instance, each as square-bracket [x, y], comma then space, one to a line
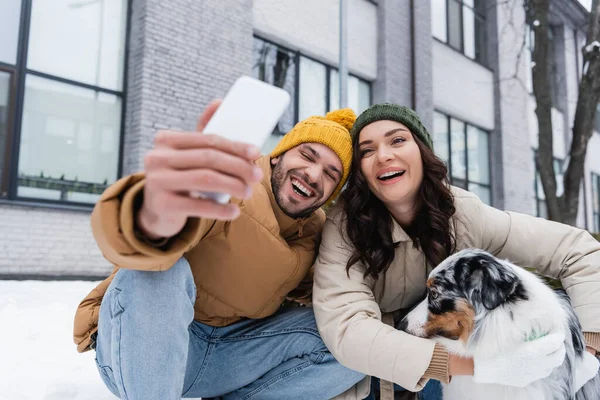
[243, 269]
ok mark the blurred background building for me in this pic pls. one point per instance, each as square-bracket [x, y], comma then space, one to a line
[85, 85]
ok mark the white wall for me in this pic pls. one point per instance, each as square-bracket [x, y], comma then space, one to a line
[312, 27]
[517, 157]
[462, 88]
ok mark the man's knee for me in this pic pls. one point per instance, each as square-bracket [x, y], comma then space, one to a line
[178, 277]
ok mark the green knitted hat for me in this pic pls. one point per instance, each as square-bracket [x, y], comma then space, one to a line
[393, 112]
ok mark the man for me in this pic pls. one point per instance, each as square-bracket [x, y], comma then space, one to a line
[193, 307]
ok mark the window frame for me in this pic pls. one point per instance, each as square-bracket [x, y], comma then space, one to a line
[596, 212]
[20, 73]
[465, 138]
[327, 83]
[6, 157]
[555, 161]
[478, 16]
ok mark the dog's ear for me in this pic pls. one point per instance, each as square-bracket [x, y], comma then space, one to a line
[487, 281]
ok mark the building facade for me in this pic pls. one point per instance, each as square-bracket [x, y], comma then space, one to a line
[86, 84]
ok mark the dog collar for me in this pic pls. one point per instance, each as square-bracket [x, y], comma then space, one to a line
[534, 335]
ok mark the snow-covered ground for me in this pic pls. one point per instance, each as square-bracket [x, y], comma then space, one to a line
[38, 359]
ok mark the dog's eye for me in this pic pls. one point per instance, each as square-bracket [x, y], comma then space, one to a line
[433, 294]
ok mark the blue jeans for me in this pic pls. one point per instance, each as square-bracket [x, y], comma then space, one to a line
[149, 347]
[431, 391]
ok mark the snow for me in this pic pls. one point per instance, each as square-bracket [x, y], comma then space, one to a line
[39, 360]
[587, 4]
[592, 46]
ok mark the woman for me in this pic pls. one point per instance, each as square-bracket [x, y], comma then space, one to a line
[398, 218]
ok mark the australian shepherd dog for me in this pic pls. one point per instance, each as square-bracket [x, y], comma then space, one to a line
[479, 306]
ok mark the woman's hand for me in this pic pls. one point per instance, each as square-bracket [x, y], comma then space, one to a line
[458, 365]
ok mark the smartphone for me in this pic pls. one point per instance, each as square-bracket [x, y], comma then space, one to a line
[249, 113]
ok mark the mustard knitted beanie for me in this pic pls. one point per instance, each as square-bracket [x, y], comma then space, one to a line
[333, 131]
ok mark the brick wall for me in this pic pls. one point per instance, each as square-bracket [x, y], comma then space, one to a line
[184, 53]
[48, 242]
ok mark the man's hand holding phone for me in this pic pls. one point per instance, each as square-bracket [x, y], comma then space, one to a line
[184, 162]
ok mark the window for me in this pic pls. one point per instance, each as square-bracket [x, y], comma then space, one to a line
[529, 44]
[80, 124]
[465, 149]
[80, 40]
[68, 122]
[596, 201]
[440, 137]
[313, 86]
[540, 198]
[277, 66]
[5, 85]
[461, 24]
[439, 20]
[359, 92]
[10, 16]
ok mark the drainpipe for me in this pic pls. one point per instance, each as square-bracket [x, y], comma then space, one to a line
[343, 72]
[413, 45]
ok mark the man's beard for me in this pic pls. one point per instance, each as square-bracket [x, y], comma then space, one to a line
[277, 180]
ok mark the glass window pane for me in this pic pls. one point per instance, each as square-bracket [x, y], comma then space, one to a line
[480, 39]
[596, 193]
[271, 143]
[540, 188]
[277, 66]
[529, 57]
[359, 92]
[542, 209]
[558, 172]
[353, 93]
[4, 120]
[597, 124]
[440, 136]
[457, 138]
[461, 183]
[596, 201]
[334, 89]
[364, 96]
[483, 192]
[81, 40]
[82, 126]
[10, 17]
[479, 162]
[439, 27]
[454, 24]
[469, 31]
[312, 89]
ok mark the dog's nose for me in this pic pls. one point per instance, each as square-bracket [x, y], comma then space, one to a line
[403, 324]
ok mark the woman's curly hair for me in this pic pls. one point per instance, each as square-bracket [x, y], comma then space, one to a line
[369, 223]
